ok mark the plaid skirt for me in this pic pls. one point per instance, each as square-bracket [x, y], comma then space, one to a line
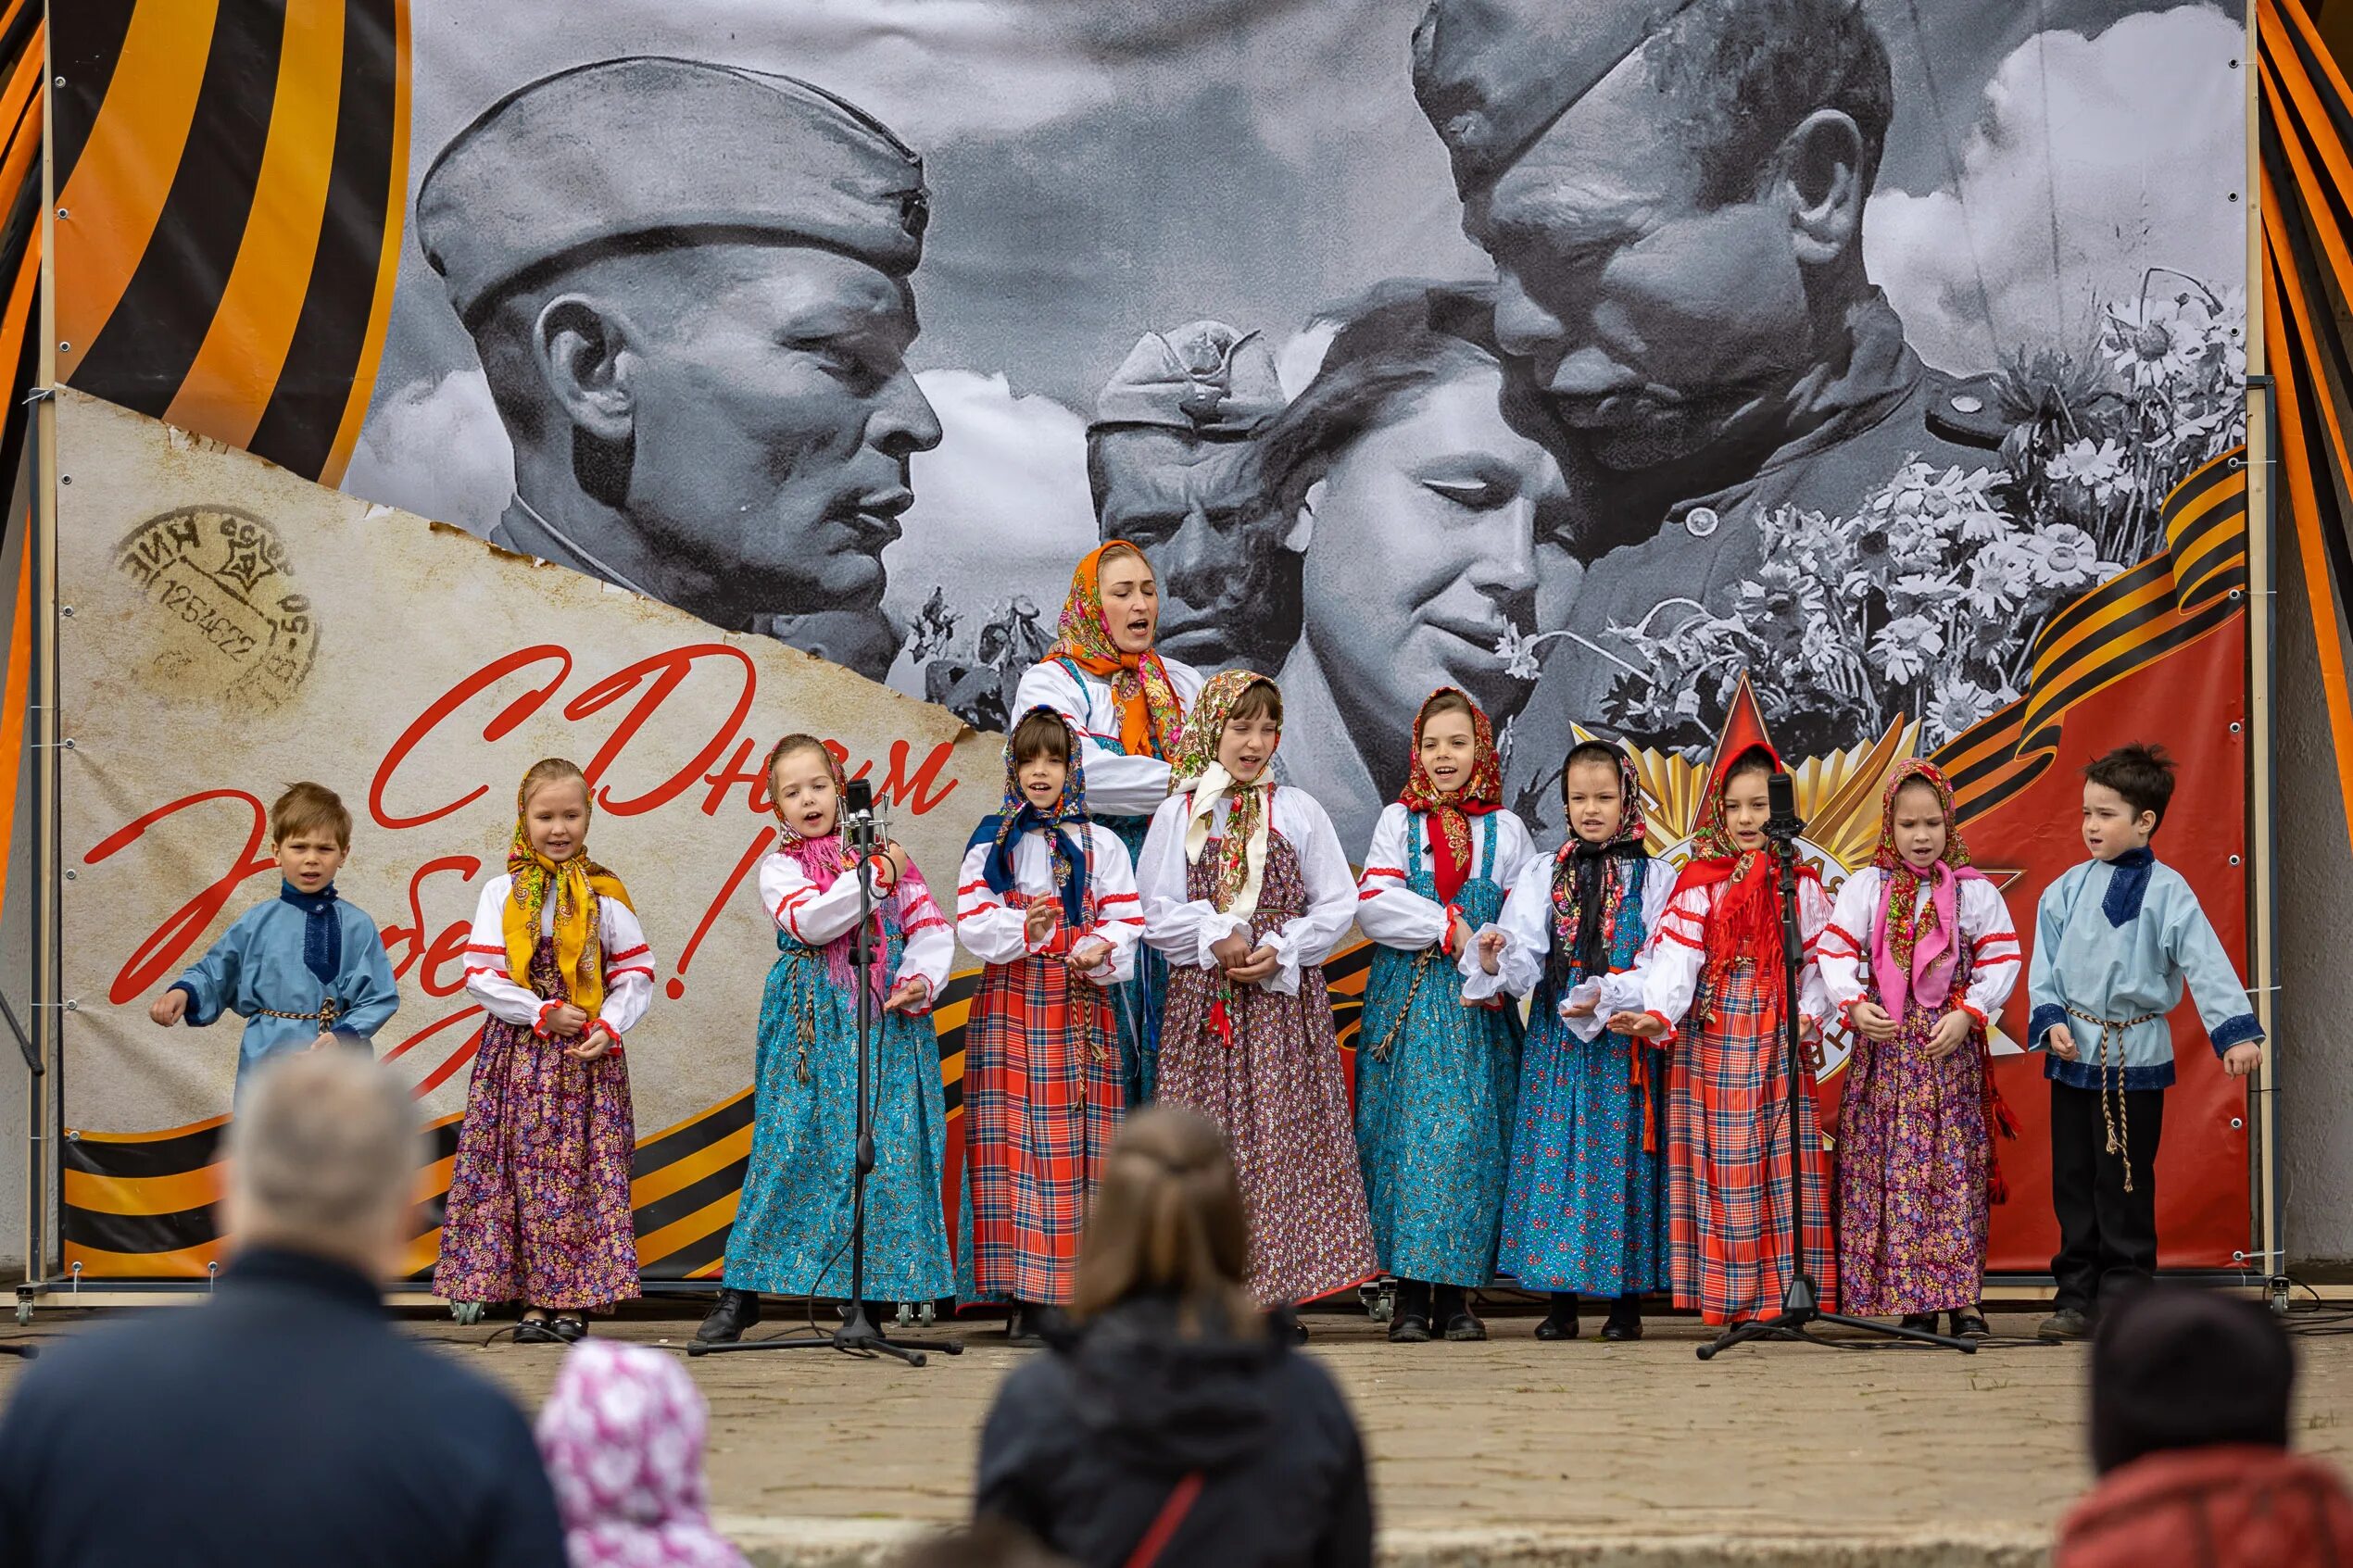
[1728, 1188]
[1043, 1098]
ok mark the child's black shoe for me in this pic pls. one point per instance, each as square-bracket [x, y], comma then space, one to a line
[735, 1311]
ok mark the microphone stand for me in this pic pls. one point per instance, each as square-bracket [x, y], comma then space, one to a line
[857, 1335]
[1802, 1303]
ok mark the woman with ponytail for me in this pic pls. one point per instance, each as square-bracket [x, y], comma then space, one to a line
[1174, 1423]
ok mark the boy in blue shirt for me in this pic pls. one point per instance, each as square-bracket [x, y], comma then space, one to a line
[304, 968]
[2115, 939]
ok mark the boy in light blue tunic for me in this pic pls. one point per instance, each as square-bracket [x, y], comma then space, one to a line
[304, 968]
[2115, 939]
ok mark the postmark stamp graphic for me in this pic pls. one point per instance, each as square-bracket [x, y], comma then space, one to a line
[225, 613]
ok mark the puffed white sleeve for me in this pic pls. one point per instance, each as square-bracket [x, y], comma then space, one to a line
[1309, 937]
[487, 980]
[930, 940]
[1665, 977]
[1993, 953]
[1184, 929]
[629, 969]
[990, 929]
[1813, 919]
[1841, 957]
[1388, 910]
[1526, 924]
[801, 911]
[1621, 991]
[1119, 911]
[1117, 785]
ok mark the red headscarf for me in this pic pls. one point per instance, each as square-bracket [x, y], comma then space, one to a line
[1150, 713]
[1449, 812]
[1748, 919]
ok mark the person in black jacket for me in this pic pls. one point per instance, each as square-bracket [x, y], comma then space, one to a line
[1174, 1424]
[286, 1420]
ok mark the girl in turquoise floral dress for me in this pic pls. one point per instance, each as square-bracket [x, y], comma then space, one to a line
[1435, 1074]
[1583, 1214]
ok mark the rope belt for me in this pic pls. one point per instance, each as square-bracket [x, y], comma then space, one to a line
[324, 1018]
[2111, 1052]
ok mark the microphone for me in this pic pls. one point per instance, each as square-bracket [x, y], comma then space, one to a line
[858, 810]
[1780, 795]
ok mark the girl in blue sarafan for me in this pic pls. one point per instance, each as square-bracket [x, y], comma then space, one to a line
[1582, 1214]
[306, 969]
[792, 1230]
[1435, 1073]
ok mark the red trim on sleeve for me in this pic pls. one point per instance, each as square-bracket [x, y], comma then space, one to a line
[923, 924]
[1679, 937]
[1121, 899]
[485, 948]
[613, 974]
[1998, 960]
[539, 1024]
[628, 953]
[1973, 1013]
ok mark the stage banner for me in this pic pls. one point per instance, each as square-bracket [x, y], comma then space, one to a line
[1863, 375]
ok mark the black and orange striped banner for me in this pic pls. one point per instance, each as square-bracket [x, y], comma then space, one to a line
[2191, 588]
[2307, 142]
[229, 175]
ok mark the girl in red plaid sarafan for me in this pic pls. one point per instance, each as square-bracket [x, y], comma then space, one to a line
[1047, 900]
[1715, 966]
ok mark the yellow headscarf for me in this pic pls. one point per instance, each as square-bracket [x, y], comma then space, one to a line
[577, 884]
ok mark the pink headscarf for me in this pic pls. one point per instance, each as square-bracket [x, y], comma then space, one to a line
[622, 1439]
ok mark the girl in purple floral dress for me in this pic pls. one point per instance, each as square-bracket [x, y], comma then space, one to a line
[1247, 891]
[538, 1209]
[1919, 955]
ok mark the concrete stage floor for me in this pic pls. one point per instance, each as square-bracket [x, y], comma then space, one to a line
[1513, 1451]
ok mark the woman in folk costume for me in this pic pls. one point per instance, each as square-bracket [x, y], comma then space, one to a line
[1247, 891]
[1716, 967]
[1047, 900]
[1584, 1211]
[792, 1228]
[1919, 955]
[1435, 1075]
[1127, 705]
[539, 1208]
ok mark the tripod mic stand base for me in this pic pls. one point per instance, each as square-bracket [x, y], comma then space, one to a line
[856, 1336]
[1800, 1307]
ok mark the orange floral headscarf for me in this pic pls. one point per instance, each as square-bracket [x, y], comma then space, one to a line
[1152, 716]
[1449, 812]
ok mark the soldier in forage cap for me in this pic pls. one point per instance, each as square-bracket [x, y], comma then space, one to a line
[1672, 193]
[688, 287]
[1169, 461]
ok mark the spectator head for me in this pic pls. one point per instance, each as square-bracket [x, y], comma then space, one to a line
[988, 1543]
[1168, 1223]
[2176, 1368]
[322, 1158]
[622, 1434]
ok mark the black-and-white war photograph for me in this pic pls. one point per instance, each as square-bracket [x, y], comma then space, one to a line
[1581, 354]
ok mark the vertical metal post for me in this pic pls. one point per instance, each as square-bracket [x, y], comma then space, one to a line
[2269, 1259]
[43, 1103]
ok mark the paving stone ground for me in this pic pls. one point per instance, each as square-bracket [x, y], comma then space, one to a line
[1510, 1451]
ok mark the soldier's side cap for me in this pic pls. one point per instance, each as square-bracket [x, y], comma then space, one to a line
[574, 162]
[1204, 377]
[1493, 75]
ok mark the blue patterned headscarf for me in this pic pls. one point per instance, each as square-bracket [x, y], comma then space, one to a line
[1017, 816]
